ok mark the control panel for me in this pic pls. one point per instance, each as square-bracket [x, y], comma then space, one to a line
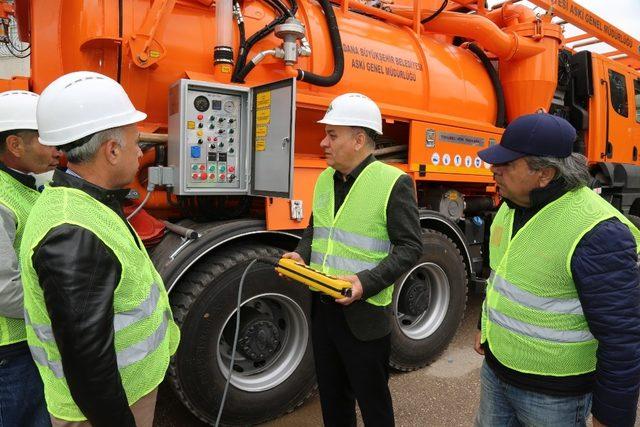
[219, 138]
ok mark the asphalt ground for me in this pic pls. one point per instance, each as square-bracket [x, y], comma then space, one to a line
[446, 393]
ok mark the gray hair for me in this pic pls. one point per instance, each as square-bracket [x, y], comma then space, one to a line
[369, 135]
[88, 150]
[573, 169]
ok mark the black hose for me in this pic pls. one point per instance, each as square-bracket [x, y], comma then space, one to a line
[495, 81]
[241, 70]
[336, 47]
[436, 13]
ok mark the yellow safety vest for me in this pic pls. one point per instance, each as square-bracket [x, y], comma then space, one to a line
[145, 333]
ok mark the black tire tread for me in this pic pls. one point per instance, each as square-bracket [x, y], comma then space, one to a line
[458, 255]
[187, 292]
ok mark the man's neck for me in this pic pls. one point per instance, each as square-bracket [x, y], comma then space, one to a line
[354, 165]
[14, 165]
[90, 173]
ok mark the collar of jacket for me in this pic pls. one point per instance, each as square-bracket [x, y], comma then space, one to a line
[541, 197]
[22, 178]
[337, 176]
[111, 198]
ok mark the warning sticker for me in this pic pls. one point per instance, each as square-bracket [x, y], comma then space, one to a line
[477, 162]
[263, 116]
[446, 159]
[261, 144]
[263, 99]
[435, 159]
[457, 160]
[261, 131]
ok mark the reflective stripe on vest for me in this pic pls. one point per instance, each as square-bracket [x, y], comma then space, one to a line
[539, 332]
[352, 239]
[120, 320]
[340, 263]
[125, 357]
[517, 295]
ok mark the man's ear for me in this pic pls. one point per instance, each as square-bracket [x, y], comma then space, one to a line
[546, 176]
[15, 145]
[361, 141]
[111, 151]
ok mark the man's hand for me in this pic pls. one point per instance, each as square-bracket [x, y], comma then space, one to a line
[356, 290]
[294, 256]
[476, 346]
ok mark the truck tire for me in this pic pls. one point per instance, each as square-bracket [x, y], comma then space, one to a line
[635, 220]
[273, 370]
[428, 303]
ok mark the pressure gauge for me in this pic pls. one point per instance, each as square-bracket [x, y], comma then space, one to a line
[201, 103]
[229, 106]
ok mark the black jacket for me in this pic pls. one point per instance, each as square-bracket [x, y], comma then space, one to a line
[366, 321]
[78, 274]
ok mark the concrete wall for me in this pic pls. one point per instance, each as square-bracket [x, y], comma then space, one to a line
[10, 66]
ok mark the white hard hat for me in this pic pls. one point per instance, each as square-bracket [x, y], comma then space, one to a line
[80, 104]
[18, 110]
[353, 109]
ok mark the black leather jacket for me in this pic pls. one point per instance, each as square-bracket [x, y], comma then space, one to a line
[78, 274]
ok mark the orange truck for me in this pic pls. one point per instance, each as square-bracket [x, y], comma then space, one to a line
[233, 90]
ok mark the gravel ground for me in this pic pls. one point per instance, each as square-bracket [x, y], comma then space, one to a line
[446, 393]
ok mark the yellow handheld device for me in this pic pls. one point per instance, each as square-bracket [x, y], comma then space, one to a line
[329, 285]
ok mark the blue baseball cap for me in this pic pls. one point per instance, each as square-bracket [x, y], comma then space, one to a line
[540, 135]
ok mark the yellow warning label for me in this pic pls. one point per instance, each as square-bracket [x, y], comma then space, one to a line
[263, 99]
[191, 124]
[261, 131]
[263, 116]
[154, 54]
[225, 69]
[261, 144]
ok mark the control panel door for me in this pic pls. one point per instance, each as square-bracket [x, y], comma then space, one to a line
[272, 139]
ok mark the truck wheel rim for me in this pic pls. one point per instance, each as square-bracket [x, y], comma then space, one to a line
[425, 324]
[276, 368]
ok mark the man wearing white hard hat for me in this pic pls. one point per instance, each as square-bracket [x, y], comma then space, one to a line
[98, 320]
[21, 392]
[364, 228]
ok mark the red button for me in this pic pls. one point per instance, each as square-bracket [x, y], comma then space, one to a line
[200, 116]
[203, 176]
[209, 139]
[212, 176]
[201, 167]
[222, 177]
[194, 176]
[231, 169]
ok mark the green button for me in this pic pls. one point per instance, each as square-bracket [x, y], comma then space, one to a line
[223, 168]
[212, 168]
[194, 167]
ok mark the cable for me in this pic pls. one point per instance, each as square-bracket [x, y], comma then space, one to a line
[150, 189]
[436, 13]
[235, 335]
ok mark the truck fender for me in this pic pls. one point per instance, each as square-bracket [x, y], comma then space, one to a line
[436, 221]
[175, 255]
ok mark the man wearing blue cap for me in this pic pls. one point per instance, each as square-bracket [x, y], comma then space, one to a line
[560, 324]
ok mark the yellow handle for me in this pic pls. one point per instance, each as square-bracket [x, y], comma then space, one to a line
[327, 284]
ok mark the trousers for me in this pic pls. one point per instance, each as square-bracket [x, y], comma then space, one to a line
[21, 391]
[349, 370]
[502, 404]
